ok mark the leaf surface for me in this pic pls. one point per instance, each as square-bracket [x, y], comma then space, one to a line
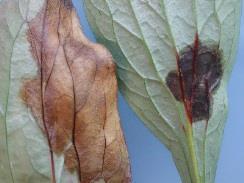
[174, 59]
[58, 99]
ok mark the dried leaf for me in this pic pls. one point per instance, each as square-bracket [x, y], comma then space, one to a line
[59, 120]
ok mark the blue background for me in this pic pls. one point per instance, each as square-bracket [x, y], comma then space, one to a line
[152, 163]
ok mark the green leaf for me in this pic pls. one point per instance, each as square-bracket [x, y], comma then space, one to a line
[148, 39]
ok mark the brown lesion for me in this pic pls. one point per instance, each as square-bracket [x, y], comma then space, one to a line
[74, 96]
[199, 74]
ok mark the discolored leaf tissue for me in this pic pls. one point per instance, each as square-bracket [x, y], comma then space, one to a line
[58, 99]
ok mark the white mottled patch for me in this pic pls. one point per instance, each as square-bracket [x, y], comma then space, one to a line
[23, 7]
[1, 106]
[67, 176]
[37, 146]
[100, 181]
[34, 8]
[22, 67]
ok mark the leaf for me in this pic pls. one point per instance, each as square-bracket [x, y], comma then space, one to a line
[174, 59]
[58, 99]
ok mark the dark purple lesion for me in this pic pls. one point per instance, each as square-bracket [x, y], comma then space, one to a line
[199, 74]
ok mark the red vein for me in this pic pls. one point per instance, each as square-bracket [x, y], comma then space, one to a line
[105, 140]
[42, 99]
[74, 118]
[186, 102]
[181, 82]
[194, 60]
[195, 54]
[74, 102]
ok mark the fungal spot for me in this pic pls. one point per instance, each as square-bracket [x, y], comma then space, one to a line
[199, 74]
[174, 84]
